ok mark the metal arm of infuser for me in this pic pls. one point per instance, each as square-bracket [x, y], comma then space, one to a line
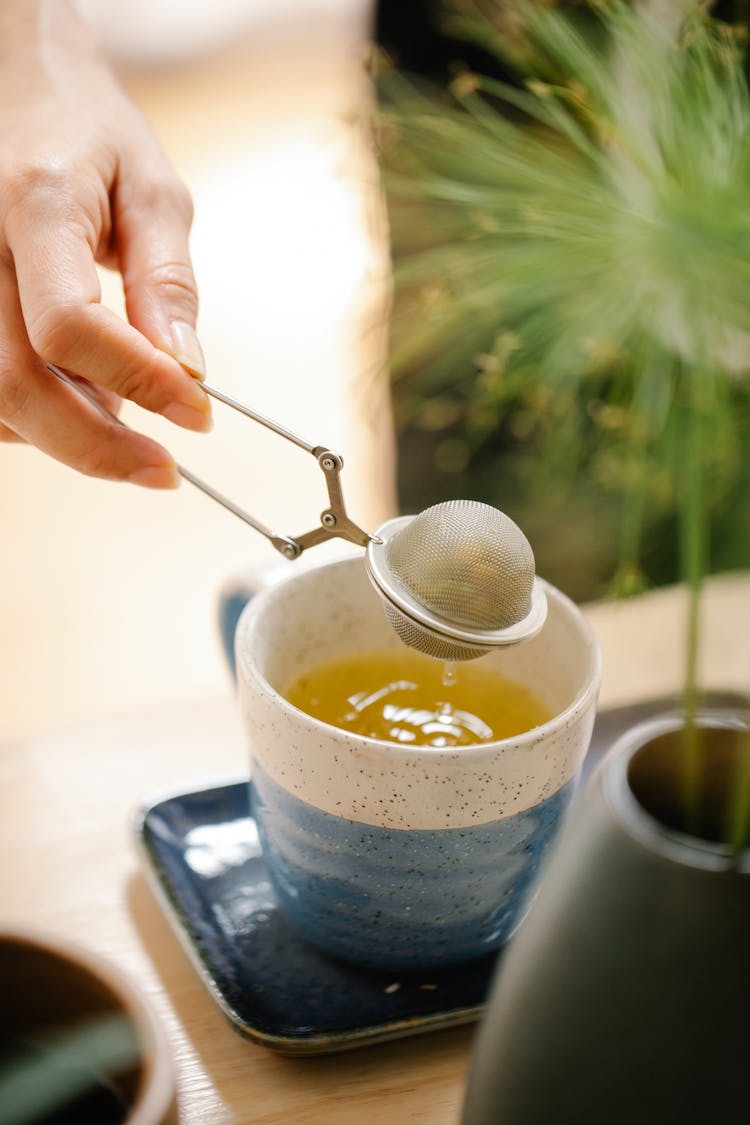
[334, 521]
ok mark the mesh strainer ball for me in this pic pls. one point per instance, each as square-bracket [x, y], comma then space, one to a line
[457, 580]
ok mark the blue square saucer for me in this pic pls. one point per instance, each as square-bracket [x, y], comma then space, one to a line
[202, 853]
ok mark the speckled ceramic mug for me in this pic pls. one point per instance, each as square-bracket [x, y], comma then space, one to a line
[394, 857]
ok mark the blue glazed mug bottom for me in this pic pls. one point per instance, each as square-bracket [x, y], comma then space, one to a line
[395, 899]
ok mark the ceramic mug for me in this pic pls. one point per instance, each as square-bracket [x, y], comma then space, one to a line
[78, 1041]
[389, 856]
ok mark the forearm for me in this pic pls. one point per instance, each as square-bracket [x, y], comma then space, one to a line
[46, 48]
[39, 26]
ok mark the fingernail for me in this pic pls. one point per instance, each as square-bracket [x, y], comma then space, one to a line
[188, 417]
[156, 476]
[186, 349]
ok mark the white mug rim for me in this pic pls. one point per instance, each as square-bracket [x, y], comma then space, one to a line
[559, 721]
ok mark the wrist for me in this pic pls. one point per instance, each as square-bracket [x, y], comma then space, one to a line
[44, 30]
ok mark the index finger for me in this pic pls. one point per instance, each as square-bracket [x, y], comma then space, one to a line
[68, 326]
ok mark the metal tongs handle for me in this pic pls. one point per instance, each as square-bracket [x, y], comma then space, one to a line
[334, 522]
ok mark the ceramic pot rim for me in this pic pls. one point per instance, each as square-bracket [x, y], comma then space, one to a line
[680, 847]
[155, 1093]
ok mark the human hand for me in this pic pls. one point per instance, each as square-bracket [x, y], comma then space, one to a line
[84, 180]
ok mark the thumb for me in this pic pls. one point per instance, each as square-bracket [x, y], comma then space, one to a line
[161, 295]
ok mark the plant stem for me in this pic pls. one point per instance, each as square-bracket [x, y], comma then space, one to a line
[693, 553]
[738, 816]
[693, 560]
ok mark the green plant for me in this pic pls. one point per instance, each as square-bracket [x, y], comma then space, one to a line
[583, 243]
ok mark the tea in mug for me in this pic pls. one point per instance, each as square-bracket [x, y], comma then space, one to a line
[400, 695]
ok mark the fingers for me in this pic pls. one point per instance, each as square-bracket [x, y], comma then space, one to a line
[152, 223]
[66, 325]
[108, 399]
[7, 435]
[40, 409]
[58, 421]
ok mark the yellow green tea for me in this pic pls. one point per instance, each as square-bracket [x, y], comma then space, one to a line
[400, 695]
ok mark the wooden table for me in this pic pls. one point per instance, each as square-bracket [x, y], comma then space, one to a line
[69, 865]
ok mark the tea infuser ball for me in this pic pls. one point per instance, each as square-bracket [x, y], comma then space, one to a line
[457, 580]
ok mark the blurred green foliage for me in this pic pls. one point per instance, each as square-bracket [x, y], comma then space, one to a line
[571, 239]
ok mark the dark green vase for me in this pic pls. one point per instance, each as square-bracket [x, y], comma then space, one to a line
[625, 996]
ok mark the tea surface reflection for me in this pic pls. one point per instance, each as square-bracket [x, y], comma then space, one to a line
[399, 695]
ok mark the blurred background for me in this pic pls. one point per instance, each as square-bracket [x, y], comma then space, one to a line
[107, 592]
[512, 379]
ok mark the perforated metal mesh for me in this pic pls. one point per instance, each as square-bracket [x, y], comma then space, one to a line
[466, 562]
[416, 636]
